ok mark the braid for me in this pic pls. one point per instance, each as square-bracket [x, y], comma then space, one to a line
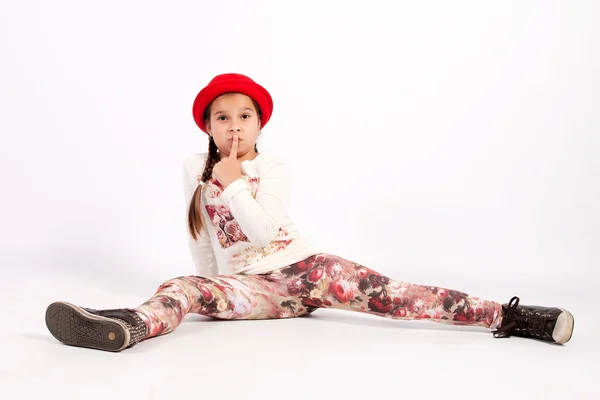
[194, 213]
[213, 158]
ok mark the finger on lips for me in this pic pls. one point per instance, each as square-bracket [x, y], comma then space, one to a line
[234, 145]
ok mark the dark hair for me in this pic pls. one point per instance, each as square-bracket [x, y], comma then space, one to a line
[194, 208]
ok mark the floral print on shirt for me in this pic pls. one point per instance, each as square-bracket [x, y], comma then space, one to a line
[227, 229]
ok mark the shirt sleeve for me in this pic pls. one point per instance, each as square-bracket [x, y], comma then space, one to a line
[260, 218]
[201, 250]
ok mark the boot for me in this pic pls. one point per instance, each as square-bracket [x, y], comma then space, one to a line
[112, 330]
[551, 324]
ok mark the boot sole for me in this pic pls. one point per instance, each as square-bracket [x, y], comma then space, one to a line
[563, 330]
[74, 326]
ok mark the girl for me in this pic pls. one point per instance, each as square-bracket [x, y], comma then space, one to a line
[251, 261]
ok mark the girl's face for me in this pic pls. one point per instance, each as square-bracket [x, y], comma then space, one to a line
[233, 113]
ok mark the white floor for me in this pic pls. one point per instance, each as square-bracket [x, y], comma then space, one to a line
[330, 354]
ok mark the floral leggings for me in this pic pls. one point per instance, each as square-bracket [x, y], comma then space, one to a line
[319, 281]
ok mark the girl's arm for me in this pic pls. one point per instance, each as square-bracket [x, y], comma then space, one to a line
[201, 250]
[260, 218]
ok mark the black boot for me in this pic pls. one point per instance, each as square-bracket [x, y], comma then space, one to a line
[112, 330]
[551, 324]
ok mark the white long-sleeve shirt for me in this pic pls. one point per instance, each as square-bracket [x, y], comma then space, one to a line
[246, 229]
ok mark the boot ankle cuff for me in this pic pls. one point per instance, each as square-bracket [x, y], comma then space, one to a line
[137, 331]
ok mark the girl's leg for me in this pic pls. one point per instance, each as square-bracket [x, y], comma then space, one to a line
[221, 297]
[326, 280]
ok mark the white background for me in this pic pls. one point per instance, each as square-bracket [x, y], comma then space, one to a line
[444, 143]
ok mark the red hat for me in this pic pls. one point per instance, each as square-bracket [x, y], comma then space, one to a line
[232, 83]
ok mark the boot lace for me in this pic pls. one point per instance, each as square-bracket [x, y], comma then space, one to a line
[521, 322]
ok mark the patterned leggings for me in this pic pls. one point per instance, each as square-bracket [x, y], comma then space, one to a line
[320, 281]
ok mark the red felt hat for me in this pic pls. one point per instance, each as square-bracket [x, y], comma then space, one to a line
[232, 83]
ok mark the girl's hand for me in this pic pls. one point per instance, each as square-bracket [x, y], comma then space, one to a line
[228, 169]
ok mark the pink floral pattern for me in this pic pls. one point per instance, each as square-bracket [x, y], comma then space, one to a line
[226, 227]
[227, 230]
[319, 281]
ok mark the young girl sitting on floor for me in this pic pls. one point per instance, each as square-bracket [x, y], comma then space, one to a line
[251, 261]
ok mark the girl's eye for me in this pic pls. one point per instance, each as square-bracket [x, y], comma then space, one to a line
[246, 116]
[221, 118]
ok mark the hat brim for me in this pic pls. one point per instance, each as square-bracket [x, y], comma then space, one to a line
[214, 90]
